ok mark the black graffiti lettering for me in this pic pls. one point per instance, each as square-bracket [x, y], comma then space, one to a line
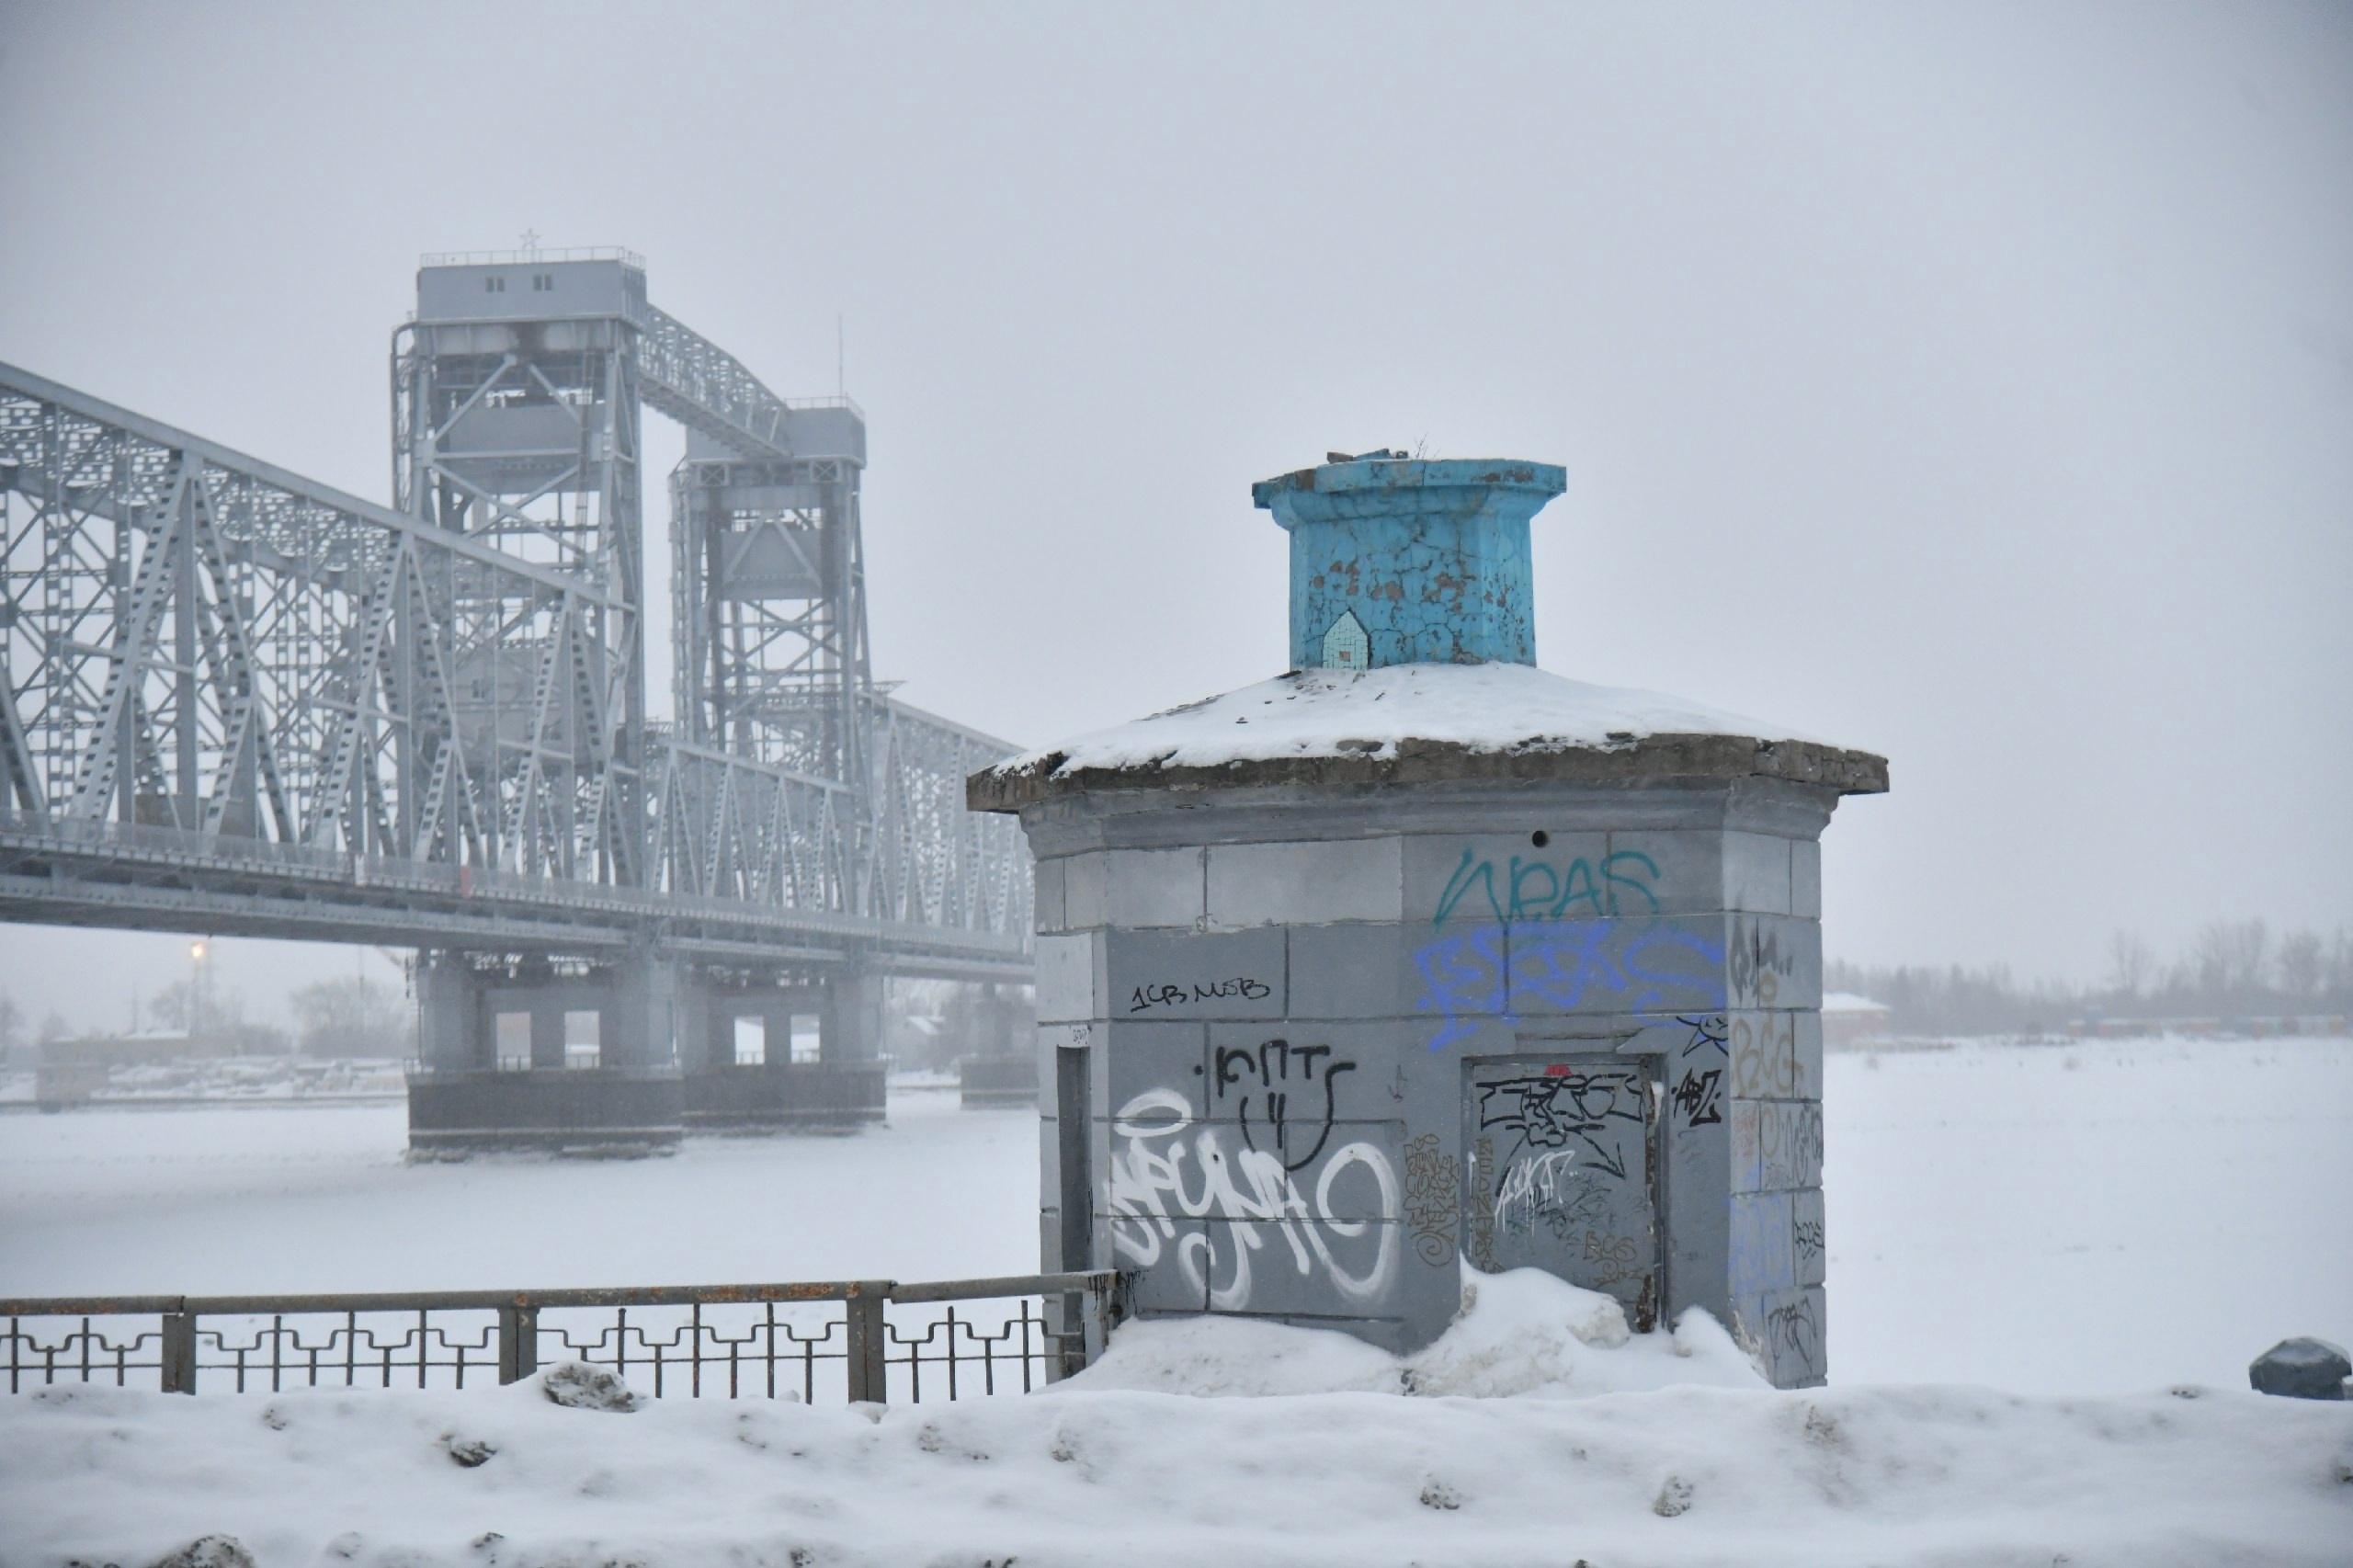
[1698, 1097]
[1706, 1031]
[1805, 1237]
[1260, 1078]
[1241, 988]
[1793, 1329]
[1548, 1111]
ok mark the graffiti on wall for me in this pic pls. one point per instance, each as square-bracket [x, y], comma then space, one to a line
[1761, 965]
[1765, 1058]
[1535, 888]
[1433, 1198]
[1240, 987]
[1262, 1079]
[1698, 1096]
[1793, 1333]
[1560, 1156]
[1483, 975]
[1315, 1218]
[1707, 1034]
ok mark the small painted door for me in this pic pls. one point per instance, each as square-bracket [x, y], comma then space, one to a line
[1560, 1173]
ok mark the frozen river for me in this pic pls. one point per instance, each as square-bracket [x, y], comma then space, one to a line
[2097, 1217]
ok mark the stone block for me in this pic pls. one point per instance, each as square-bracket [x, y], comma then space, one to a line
[1764, 1055]
[1698, 1091]
[1069, 977]
[1180, 974]
[1356, 972]
[1809, 1243]
[1146, 1063]
[1165, 1257]
[1790, 1332]
[1480, 984]
[2302, 1368]
[1472, 878]
[1048, 904]
[1806, 878]
[1681, 870]
[1306, 882]
[1303, 1076]
[1773, 960]
[1776, 1145]
[1617, 965]
[1083, 893]
[1331, 1267]
[1806, 1054]
[1756, 873]
[1152, 887]
[1759, 1259]
[1342, 1171]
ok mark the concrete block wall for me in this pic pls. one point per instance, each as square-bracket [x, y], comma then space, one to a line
[1294, 1028]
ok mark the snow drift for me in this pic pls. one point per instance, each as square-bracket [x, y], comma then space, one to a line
[1097, 1472]
[1523, 1333]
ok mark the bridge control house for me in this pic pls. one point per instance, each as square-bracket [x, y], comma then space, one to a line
[1418, 958]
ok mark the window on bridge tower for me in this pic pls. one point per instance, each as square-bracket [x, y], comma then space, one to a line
[750, 1042]
[582, 1032]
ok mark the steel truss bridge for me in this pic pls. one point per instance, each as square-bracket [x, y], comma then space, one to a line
[239, 701]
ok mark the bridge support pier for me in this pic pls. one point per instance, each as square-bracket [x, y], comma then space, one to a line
[536, 1053]
[767, 1051]
[997, 1065]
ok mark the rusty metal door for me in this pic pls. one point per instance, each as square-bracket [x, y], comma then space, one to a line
[1561, 1173]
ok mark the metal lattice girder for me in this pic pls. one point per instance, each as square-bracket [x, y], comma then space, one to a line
[705, 388]
[235, 700]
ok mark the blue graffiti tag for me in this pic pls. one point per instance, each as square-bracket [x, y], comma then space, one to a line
[1541, 890]
[1494, 973]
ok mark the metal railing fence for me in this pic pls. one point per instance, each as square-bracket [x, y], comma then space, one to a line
[824, 1340]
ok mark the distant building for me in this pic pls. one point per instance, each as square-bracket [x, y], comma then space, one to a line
[1848, 1018]
[136, 1048]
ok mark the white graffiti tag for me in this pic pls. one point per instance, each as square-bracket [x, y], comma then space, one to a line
[1152, 1190]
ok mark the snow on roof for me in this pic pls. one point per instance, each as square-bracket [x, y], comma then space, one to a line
[1490, 707]
[1848, 1002]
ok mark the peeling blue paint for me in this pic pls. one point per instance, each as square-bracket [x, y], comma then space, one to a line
[1431, 557]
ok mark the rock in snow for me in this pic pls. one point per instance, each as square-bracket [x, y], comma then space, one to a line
[2302, 1368]
[207, 1551]
[580, 1386]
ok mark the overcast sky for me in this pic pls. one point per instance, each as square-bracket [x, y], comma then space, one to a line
[1974, 384]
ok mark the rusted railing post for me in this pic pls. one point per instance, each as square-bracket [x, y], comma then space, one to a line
[178, 1353]
[862, 1313]
[518, 1343]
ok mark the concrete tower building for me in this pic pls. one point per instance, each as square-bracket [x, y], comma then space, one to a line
[1418, 957]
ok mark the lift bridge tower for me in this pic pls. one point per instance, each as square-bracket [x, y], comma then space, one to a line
[519, 391]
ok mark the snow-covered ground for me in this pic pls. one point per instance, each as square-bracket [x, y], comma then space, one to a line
[2138, 1218]
[1698, 1465]
[2111, 1216]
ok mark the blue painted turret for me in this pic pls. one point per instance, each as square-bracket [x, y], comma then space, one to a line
[1402, 560]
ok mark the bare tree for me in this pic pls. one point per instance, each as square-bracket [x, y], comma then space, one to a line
[2303, 964]
[174, 1005]
[350, 1016]
[2130, 962]
[2249, 956]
